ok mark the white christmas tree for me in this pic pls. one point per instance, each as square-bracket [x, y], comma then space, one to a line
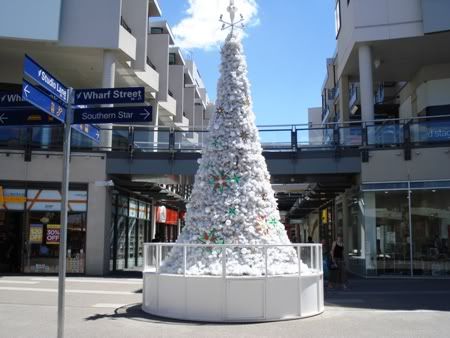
[232, 201]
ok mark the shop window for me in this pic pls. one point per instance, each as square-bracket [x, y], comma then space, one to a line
[430, 218]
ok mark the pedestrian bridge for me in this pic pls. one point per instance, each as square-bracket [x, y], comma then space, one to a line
[333, 148]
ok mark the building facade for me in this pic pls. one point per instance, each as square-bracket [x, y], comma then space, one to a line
[89, 44]
[387, 87]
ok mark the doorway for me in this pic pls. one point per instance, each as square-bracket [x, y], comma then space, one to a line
[11, 232]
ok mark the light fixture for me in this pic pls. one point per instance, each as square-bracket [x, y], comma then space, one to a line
[377, 63]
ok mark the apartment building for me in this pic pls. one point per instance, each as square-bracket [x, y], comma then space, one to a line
[87, 44]
[392, 62]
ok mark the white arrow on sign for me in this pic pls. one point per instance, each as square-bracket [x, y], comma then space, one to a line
[26, 91]
[3, 118]
[97, 135]
[147, 114]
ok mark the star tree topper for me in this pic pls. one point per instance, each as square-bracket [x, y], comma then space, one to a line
[232, 10]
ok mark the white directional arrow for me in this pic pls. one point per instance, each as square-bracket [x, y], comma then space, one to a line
[3, 118]
[97, 135]
[147, 114]
[26, 91]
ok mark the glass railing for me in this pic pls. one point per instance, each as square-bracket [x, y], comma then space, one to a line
[430, 131]
[221, 259]
[355, 134]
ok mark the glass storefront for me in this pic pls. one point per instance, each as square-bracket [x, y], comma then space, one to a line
[30, 229]
[130, 228]
[404, 229]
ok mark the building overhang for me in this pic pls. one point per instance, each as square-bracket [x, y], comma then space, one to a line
[154, 10]
[165, 29]
[397, 60]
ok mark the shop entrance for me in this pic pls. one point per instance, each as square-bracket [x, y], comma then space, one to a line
[11, 230]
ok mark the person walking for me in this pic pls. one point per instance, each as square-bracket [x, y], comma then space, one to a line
[338, 276]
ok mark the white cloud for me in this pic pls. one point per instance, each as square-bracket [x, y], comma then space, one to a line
[201, 27]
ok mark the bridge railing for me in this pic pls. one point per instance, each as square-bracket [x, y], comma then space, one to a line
[371, 134]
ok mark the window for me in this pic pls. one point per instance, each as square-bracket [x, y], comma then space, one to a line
[337, 17]
[156, 30]
[172, 58]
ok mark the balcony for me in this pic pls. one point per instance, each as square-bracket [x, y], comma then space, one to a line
[127, 42]
[124, 24]
[168, 108]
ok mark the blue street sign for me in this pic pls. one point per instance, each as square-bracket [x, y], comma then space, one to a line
[42, 101]
[113, 115]
[109, 95]
[12, 99]
[45, 79]
[25, 117]
[88, 130]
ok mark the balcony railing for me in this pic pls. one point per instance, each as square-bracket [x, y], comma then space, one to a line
[150, 63]
[412, 132]
[124, 24]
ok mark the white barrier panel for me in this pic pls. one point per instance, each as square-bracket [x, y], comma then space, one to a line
[226, 298]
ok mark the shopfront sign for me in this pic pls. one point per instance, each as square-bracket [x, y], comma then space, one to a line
[50, 200]
[12, 199]
[109, 95]
[52, 235]
[36, 233]
[166, 215]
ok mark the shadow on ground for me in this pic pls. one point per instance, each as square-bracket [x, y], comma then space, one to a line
[392, 294]
[134, 312]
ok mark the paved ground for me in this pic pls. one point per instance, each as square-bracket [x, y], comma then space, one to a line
[108, 307]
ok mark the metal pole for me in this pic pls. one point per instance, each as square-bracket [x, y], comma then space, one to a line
[411, 258]
[64, 209]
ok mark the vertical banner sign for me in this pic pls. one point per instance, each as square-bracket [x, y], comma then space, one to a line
[53, 232]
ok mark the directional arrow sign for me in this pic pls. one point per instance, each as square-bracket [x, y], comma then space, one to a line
[12, 99]
[28, 117]
[109, 95]
[42, 101]
[45, 79]
[88, 130]
[138, 114]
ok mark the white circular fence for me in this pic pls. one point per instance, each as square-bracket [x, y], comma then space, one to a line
[231, 298]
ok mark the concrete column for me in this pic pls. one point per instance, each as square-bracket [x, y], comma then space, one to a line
[97, 230]
[344, 111]
[108, 81]
[366, 83]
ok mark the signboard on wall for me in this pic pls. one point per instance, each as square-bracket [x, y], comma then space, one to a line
[166, 215]
[12, 199]
[36, 233]
[50, 200]
[52, 236]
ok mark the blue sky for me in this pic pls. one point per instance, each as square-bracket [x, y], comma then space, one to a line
[287, 45]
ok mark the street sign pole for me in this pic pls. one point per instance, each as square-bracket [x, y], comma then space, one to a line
[64, 210]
